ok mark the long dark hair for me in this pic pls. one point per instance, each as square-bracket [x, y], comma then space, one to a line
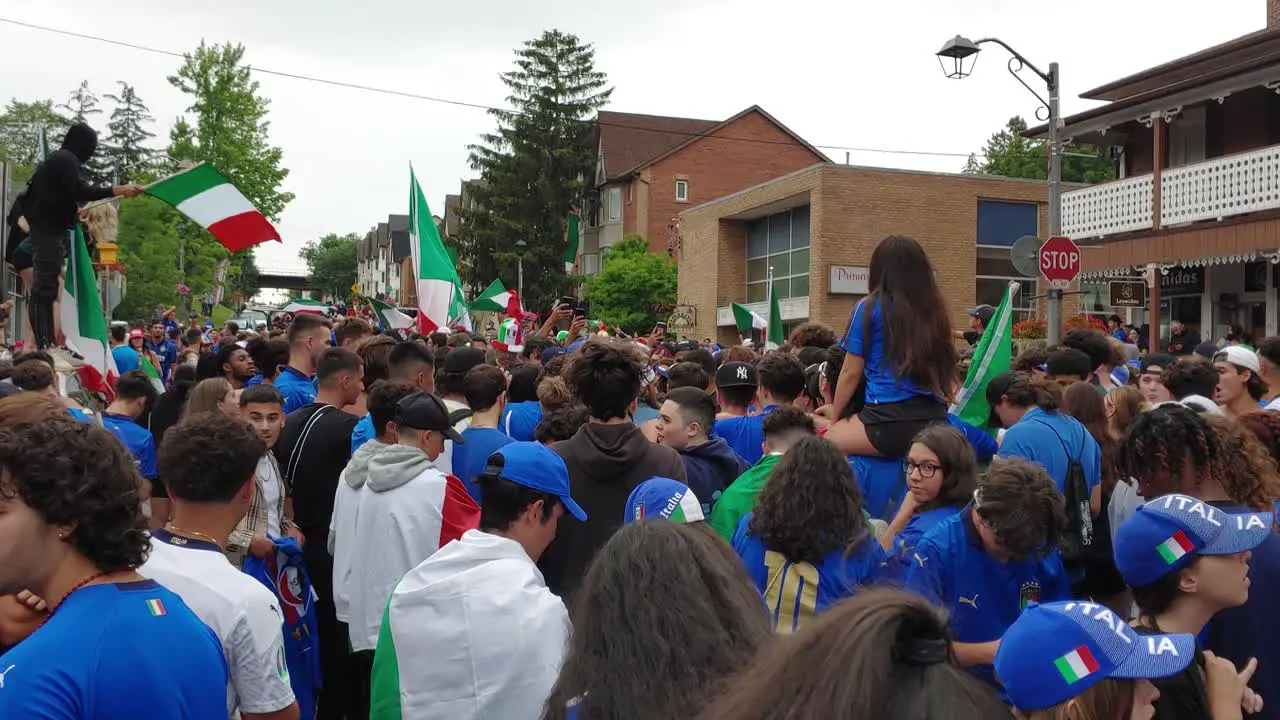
[664, 614]
[896, 646]
[1083, 402]
[811, 504]
[917, 328]
[957, 461]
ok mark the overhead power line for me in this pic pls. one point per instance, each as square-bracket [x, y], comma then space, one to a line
[460, 103]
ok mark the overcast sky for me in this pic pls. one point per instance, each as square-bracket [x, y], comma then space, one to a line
[838, 73]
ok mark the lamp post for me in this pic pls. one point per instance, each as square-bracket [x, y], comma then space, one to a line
[520, 248]
[957, 58]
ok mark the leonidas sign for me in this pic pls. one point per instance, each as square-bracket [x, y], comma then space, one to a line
[848, 280]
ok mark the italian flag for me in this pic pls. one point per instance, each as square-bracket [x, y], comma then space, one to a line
[437, 281]
[749, 320]
[389, 318]
[497, 298]
[682, 508]
[1076, 665]
[302, 305]
[212, 202]
[1175, 547]
[571, 237]
[83, 322]
[993, 356]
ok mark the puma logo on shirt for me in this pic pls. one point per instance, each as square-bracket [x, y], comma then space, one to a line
[6, 672]
[971, 602]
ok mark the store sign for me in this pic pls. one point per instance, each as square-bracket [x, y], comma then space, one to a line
[1182, 281]
[1127, 293]
[683, 318]
[848, 280]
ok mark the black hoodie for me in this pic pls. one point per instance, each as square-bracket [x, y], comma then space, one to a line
[605, 464]
[58, 187]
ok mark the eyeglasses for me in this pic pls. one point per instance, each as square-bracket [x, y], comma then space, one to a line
[927, 470]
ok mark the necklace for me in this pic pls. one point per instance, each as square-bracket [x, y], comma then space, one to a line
[54, 607]
[192, 533]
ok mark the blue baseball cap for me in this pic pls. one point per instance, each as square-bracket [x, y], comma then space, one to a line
[552, 352]
[1054, 652]
[1120, 375]
[660, 498]
[1166, 533]
[536, 467]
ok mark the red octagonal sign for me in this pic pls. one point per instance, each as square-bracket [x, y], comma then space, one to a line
[1059, 261]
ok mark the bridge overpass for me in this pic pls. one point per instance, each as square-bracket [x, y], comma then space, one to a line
[282, 279]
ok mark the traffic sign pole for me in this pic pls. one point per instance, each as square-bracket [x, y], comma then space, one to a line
[1055, 194]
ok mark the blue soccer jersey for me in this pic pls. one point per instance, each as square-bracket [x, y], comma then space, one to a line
[982, 596]
[745, 434]
[296, 389]
[111, 651]
[904, 544]
[141, 443]
[794, 592]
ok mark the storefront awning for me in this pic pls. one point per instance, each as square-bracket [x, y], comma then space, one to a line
[1210, 261]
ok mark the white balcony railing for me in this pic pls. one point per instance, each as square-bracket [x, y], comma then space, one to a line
[1222, 187]
[1110, 208]
[1211, 190]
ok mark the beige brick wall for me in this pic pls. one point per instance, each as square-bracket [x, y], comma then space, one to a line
[852, 209]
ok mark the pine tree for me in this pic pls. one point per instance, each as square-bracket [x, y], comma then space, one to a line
[535, 167]
[124, 149]
[82, 107]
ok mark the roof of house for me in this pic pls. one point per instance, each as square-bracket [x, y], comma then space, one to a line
[629, 140]
[635, 145]
[1210, 60]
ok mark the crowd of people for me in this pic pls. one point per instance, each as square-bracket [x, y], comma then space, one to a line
[323, 520]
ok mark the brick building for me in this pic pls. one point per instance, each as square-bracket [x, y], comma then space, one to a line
[1195, 211]
[818, 226]
[650, 168]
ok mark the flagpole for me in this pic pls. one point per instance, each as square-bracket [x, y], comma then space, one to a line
[768, 303]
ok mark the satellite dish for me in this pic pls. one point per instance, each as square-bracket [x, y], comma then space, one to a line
[1025, 255]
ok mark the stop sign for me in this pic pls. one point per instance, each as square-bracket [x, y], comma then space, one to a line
[1059, 261]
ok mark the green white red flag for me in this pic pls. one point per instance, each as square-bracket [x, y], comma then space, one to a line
[571, 237]
[436, 278]
[83, 322]
[303, 305]
[389, 318]
[497, 298]
[210, 200]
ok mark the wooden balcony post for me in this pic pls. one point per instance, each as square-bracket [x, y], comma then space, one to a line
[1153, 297]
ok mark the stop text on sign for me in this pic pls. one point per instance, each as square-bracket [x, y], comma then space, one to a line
[1059, 260]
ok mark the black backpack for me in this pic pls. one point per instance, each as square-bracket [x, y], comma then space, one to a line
[1078, 540]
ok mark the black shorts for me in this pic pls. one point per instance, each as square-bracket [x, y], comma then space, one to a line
[892, 426]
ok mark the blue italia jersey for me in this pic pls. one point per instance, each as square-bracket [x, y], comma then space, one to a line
[141, 443]
[904, 544]
[745, 434]
[982, 596]
[127, 650]
[362, 433]
[296, 389]
[794, 592]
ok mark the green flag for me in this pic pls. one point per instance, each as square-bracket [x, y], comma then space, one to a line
[773, 336]
[570, 242]
[747, 319]
[496, 298]
[993, 356]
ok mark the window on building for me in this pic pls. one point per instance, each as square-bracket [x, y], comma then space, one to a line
[993, 273]
[615, 204]
[682, 191]
[779, 241]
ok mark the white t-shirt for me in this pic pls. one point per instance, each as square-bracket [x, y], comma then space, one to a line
[269, 476]
[444, 463]
[241, 611]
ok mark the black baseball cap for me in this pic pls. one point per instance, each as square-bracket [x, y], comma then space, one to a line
[1163, 361]
[982, 312]
[737, 374]
[459, 360]
[996, 389]
[425, 411]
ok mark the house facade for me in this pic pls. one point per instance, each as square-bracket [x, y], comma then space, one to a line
[1195, 212]
[651, 168]
[816, 229]
[380, 255]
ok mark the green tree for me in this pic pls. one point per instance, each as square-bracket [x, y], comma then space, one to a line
[82, 106]
[124, 149]
[1009, 153]
[149, 245]
[633, 284]
[331, 263]
[228, 129]
[20, 125]
[535, 167]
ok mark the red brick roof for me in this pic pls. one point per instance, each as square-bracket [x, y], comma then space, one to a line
[628, 140]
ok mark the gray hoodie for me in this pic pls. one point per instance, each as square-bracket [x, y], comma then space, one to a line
[396, 466]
